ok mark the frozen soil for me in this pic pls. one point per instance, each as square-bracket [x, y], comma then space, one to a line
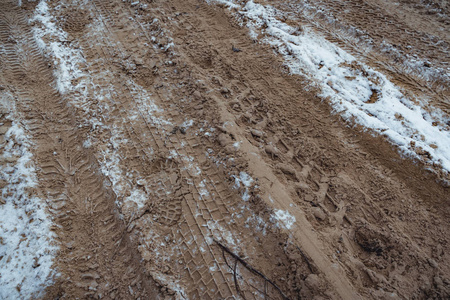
[164, 151]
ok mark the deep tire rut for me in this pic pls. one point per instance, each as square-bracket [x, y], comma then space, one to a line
[95, 247]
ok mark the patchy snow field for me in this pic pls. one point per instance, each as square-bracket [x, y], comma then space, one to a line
[27, 246]
[359, 93]
[184, 149]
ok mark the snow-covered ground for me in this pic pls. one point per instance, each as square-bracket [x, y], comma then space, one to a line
[412, 64]
[27, 245]
[359, 93]
[70, 67]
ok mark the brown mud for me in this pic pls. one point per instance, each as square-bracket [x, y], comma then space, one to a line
[368, 223]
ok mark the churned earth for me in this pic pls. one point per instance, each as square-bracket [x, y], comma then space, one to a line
[224, 149]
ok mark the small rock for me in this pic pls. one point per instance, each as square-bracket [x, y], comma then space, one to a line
[224, 139]
[230, 149]
[272, 150]
[313, 282]
[433, 263]
[36, 263]
[224, 90]
[318, 213]
[309, 198]
[197, 95]
[257, 133]
[438, 281]
[287, 169]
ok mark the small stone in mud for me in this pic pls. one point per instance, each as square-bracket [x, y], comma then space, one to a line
[230, 149]
[224, 90]
[224, 139]
[313, 282]
[438, 281]
[433, 263]
[272, 150]
[318, 213]
[257, 133]
[287, 169]
[309, 198]
[369, 240]
[197, 95]
[235, 49]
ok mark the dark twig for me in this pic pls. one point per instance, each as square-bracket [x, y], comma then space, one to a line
[306, 259]
[250, 268]
[265, 290]
[238, 290]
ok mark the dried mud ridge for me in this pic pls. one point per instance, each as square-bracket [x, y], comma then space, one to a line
[368, 224]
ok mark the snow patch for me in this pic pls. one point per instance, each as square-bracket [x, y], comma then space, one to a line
[65, 58]
[356, 91]
[247, 181]
[285, 217]
[27, 246]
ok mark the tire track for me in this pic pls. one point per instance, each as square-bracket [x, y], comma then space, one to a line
[293, 134]
[196, 209]
[205, 283]
[96, 257]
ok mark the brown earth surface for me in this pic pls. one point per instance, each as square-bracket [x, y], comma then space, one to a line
[368, 222]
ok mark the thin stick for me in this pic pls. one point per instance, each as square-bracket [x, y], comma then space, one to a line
[238, 290]
[306, 259]
[250, 268]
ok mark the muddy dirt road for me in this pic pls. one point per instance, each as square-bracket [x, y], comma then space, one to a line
[189, 150]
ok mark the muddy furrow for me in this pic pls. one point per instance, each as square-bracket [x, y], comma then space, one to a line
[96, 257]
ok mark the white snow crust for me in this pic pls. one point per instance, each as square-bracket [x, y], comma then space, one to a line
[27, 246]
[349, 85]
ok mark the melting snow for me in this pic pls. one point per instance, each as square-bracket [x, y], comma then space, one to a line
[27, 245]
[68, 62]
[246, 181]
[285, 217]
[356, 91]
[65, 58]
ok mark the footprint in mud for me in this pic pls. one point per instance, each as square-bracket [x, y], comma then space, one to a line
[164, 190]
[373, 241]
[75, 21]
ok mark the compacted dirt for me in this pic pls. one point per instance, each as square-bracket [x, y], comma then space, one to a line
[185, 162]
